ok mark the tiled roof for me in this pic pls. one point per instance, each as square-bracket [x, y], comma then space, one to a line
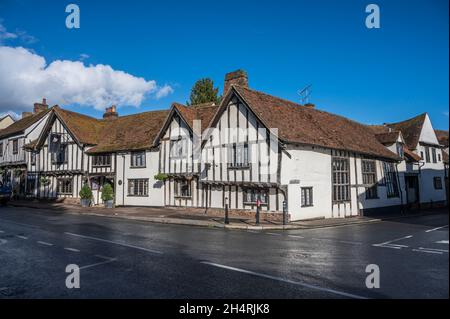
[204, 112]
[442, 137]
[299, 124]
[411, 156]
[128, 133]
[388, 138]
[21, 125]
[410, 129]
[445, 157]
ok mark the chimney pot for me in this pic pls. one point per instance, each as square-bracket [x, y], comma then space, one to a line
[40, 107]
[238, 77]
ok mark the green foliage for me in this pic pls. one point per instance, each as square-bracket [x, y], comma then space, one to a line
[161, 177]
[203, 91]
[107, 192]
[85, 192]
[45, 181]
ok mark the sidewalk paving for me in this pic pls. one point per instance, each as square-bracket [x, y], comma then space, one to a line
[172, 215]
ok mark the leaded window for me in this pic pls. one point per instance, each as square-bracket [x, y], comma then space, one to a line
[138, 187]
[369, 174]
[341, 179]
[391, 179]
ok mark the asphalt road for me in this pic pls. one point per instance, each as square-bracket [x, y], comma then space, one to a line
[130, 259]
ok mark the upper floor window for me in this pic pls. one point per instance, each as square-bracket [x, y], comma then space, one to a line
[101, 160]
[369, 174]
[400, 149]
[433, 154]
[183, 188]
[238, 155]
[439, 157]
[391, 181]
[178, 147]
[33, 158]
[427, 154]
[1, 149]
[341, 179]
[15, 146]
[137, 159]
[58, 149]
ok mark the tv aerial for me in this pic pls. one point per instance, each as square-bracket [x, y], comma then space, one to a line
[305, 94]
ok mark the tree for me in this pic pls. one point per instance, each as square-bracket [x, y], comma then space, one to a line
[203, 91]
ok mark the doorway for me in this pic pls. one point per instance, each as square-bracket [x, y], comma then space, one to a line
[412, 189]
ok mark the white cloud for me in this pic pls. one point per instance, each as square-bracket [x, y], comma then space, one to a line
[25, 78]
[84, 56]
[5, 35]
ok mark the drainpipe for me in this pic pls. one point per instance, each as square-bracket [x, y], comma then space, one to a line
[123, 179]
[399, 188]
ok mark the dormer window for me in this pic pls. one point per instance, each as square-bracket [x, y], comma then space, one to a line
[400, 150]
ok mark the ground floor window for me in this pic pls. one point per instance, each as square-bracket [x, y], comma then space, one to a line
[64, 186]
[31, 184]
[437, 183]
[369, 174]
[391, 181]
[341, 179]
[138, 187]
[251, 195]
[307, 196]
[182, 188]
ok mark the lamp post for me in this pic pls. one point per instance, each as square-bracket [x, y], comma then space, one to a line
[258, 204]
[227, 221]
[284, 212]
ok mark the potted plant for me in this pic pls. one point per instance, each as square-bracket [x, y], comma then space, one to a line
[85, 195]
[108, 195]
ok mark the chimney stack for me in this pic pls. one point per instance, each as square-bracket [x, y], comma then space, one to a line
[26, 114]
[310, 105]
[110, 113]
[40, 107]
[238, 77]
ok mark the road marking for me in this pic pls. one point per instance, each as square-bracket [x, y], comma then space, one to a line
[430, 230]
[273, 234]
[427, 251]
[107, 261]
[21, 237]
[289, 281]
[3, 241]
[296, 236]
[44, 243]
[71, 249]
[116, 243]
[441, 250]
[20, 224]
[442, 242]
[391, 241]
[1, 231]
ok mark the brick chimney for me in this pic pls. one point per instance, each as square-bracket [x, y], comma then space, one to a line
[26, 114]
[110, 113]
[238, 77]
[40, 107]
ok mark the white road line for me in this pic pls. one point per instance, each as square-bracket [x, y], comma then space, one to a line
[289, 281]
[21, 237]
[427, 251]
[71, 249]
[442, 242]
[441, 250]
[388, 246]
[394, 240]
[107, 261]
[3, 241]
[430, 230]
[116, 243]
[295, 236]
[1, 231]
[44, 243]
[273, 234]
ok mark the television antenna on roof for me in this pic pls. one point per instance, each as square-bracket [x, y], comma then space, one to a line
[305, 93]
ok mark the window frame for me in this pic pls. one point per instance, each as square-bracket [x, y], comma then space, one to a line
[400, 149]
[437, 185]
[255, 194]
[178, 184]
[133, 157]
[15, 146]
[101, 160]
[58, 185]
[144, 187]
[370, 178]
[427, 154]
[1, 148]
[340, 179]
[391, 180]
[434, 154]
[178, 143]
[307, 192]
[239, 155]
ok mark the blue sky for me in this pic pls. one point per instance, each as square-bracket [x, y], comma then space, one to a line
[369, 75]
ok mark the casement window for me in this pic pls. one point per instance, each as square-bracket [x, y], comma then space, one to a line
[307, 196]
[341, 179]
[437, 181]
[427, 154]
[33, 158]
[1, 149]
[433, 155]
[64, 186]
[138, 187]
[391, 179]
[400, 150]
[101, 160]
[369, 174]
[15, 146]
[182, 188]
[251, 195]
[178, 147]
[238, 155]
[58, 149]
[137, 159]
[439, 157]
[421, 155]
[31, 184]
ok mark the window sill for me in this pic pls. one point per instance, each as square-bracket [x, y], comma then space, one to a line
[307, 206]
[183, 197]
[254, 204]
[137, 195]
[136, 167]
[236, 168]
[101, 166]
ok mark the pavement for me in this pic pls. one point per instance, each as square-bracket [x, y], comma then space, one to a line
[173, 215]
[124, 258]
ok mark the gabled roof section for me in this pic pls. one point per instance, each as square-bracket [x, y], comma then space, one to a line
[410, 129]
[304, 125]
[388, 138]
[21, 125]
[129, 133]
[442, 137]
